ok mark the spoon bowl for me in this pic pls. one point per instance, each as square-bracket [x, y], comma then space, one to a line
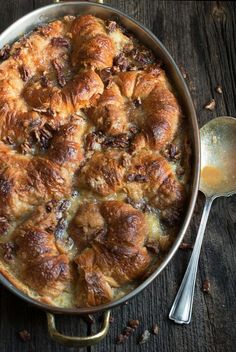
[218, 157]
[218, 178]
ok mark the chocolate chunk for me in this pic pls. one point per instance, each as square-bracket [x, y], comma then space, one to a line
[60, 42]
[144, 337]
[133, 323]
[24, 335]
[25, 73]
[206, 286]
[5, 52]
[155, 329]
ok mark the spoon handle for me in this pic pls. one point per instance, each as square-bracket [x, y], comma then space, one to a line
[181, 310]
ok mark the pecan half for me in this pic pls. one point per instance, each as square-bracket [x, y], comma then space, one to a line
[137, 178]
[5, 52]
[119, 141]
[25, 73]
[60, 42]
[60, 76]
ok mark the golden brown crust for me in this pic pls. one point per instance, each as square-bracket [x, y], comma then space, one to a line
[92, 46]
[117, 254]
[87, 116]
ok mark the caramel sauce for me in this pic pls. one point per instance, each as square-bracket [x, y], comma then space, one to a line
[212, 176]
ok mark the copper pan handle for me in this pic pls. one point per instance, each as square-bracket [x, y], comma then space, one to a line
[75, 341]
[99, 1]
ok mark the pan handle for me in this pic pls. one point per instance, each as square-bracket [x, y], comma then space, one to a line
[74, 341]
[99, 1]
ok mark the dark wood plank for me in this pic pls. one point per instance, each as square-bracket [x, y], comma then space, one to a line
[201, 37]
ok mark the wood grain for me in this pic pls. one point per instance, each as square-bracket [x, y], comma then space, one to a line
[201, 37]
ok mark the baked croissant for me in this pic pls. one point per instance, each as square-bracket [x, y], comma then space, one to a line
[115, 254]
[143, 99]
[42, 266]
[146, 174]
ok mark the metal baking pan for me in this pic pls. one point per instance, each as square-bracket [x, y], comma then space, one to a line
[60, 9]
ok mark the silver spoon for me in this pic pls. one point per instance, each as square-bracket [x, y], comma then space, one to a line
[218, 179]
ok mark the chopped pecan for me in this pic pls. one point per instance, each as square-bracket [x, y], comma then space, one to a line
[60, 42]
[16, 53]
[186, 246]
[25, 147]
[219, 89]
[111, 26]
[118, 141]
[142, 56]
[60, 76]
[45, 81]
[155, 329]
[46, 111]
[9, 250]
[137, 178]
[172, 152]
[8, 140]
[153, 246]
[121, 339]
[206, 286]
[106, 75]
[25, 73]
[94, 139]
[122, 62]
[128, 330]
[4, 225]
[210, 105]
[24, 335]
[133, 323]
[5, 52]
[44, 30]
[44, 136]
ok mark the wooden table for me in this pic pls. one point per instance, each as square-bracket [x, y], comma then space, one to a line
[201, 37]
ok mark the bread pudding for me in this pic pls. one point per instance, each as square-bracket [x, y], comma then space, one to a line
[94, 162]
